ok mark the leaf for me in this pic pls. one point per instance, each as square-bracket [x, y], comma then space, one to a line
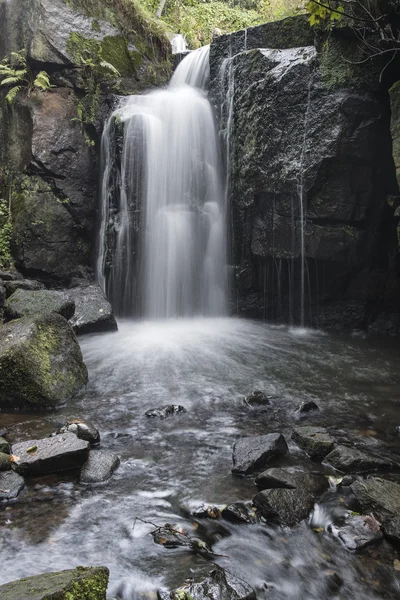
[318, 529]
[14, 458]
[109, 67]
[13, 93]
[32, 449]
[163, 540]
[10, 80]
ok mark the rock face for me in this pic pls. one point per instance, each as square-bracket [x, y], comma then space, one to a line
[25, 303]
[93, 312]
[255, 453]
[352, 460]
[50, 455]
[316, 441]
[309, 143]
[99, 467]
[41, 363]
[11, 485]
[77, 584]
[219, 585]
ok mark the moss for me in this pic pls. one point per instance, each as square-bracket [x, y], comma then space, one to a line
[114, 49]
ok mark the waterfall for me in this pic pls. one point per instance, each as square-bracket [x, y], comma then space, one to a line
[162, 240]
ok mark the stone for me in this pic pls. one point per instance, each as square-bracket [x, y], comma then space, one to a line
[4, 446]
[239, 512]
[207, 511]
[252, 454]
[3, 295]
[84, 430]
[169, 537]
[93, 312]
[165, 411]
[5, 462]
[283, 505]
[352, 460]
[99, 466]
[11, 484]
[9, 275]
[306, 407]
[50, 455]
[82, 583]
[378, 496]
[23, 284]
[358, 532]
[257, 398]
[41, 363]
[28, 303]
[316, 441]
[391, 528]
[333, 581]
[218, 585]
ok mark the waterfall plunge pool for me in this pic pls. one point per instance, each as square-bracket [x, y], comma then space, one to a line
[207, 365]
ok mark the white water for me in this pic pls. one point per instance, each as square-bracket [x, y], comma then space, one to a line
[179, 44]
[171, 175]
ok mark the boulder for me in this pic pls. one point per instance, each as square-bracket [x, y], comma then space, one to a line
[4, 446]
[257, 398]
[99, 466]
[358, 532]
[219, 585]
[41, 363]
[239, 512]
[5, 462]
[22, 284]
[316, 441]
[306, 407]
[391, 528]
[165, 411]
[40, 303]
[352, 460]
[50, 455]
[3, 295]
[82, 583]
[169, 537]
[84, 430]
[283, 505]
[252, 454]
[378, 496]
[93, 312]
[10, 485]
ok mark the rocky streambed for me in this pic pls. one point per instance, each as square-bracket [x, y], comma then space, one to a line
[254, 461]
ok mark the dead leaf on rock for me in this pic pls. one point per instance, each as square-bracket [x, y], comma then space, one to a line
[14, 458]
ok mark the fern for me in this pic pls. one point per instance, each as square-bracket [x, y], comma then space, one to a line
[12, 94]
[10, 80]
[15, 72]
[42, 81]
[109, 67]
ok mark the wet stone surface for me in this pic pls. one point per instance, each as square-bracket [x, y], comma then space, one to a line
[254, 453]
[59, 453]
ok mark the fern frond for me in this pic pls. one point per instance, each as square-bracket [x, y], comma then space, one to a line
[10, 81]
[13, 93]
[42, 81]
[109, 67]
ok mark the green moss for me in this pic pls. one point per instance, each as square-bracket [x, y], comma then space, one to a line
[114, 50]
[6, 231]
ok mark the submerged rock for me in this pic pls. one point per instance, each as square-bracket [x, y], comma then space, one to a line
[50, 455]
[170, 537]
[219, 585]
[41, 363]
[239, 512]
[306, 407]
[84, 430]
[257, 398]
[93, 312]
[316, 441]
[283, 505]
[82, 583]
[252, 454]
[359, 532]
[99, 466]
[28, 303]
[165, 411]
[352, 460]
[10, 486]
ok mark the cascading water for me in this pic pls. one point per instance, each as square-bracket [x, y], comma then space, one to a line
[171, 181]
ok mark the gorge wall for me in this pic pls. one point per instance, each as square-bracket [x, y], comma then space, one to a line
[307, 127]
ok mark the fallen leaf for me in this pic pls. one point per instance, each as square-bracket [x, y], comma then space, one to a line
[14, 458]
[318, 529]
[163, 540]
[32, 449]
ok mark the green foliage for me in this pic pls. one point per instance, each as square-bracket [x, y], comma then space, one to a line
[5, 234]
[16, 74]
[324, 12]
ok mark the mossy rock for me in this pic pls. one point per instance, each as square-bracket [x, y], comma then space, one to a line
[27, 303]
[76, 584]
[5, 462]
[41, 363]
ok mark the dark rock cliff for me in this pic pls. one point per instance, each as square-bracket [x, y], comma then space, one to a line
[307, 132]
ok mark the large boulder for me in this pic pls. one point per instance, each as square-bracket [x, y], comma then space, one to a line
[253, 454]
[26, 303]
[316, 441]
[82, 583]
[50, 455]
[99, 466]
[41, 363]
[351, 460]
[309, 144]
[93, 312]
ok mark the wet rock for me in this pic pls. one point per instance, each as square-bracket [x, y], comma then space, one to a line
[23, 284]
[84, 430]
[316, 441]
[10, 486]
[257, 398]
[28, 303]
[219, 585]
[333, 581]
[305, 408]
[3, 295]
[50, 455]
[4, 446]
[82, 583]
[5, 462]
[170, 537]
[207, 511]
[283, 505]
[352, 460]
[41, 363]
[391, 529]
[93, 312]
[9, 275]
[165, 411]
[99, 466]
[252, 454]
[239, 512]
[378, 496]
[358, 532]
